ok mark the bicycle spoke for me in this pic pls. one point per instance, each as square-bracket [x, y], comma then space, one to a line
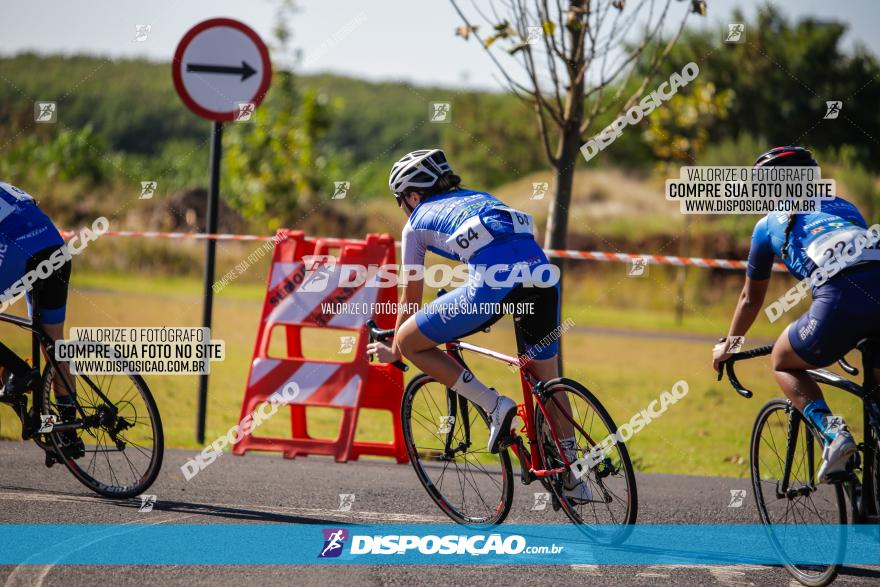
[466, 485]
[613, 496]
[122, 463]
[805, 503]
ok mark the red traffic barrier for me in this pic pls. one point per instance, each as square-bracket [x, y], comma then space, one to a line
[303, 279]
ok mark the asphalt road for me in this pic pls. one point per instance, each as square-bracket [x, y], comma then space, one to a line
[268, 489]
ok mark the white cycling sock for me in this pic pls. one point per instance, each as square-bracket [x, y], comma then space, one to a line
[468, 386]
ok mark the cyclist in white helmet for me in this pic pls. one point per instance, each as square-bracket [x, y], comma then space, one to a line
[496, 242]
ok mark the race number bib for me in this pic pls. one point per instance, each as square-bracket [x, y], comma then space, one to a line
[470, 237]
[7, 208]
[834, 243]
[522, 222]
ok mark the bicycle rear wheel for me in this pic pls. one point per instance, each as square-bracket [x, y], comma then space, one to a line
[446, 438]
[610, 514]
[121, 433]
[778, 428]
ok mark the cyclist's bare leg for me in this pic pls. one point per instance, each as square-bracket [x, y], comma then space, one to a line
[790, 373]
[56, 332]
[424, 354]
[423, 351]
[545, 370]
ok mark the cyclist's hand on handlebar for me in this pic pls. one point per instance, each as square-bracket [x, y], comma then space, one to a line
[720, 354]
[382, 352]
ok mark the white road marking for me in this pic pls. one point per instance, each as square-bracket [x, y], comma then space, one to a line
[297, 511]
[726, 575]
[25, 575]
[731, 576]
[592, 570]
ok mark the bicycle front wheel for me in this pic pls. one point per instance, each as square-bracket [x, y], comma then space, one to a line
[447, 441]
[117, 451]
[780, 439]
[611, 511]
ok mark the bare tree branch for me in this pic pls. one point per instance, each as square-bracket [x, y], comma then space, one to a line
[533, 93]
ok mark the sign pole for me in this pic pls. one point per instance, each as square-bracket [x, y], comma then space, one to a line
[210, 254]
[221, 71]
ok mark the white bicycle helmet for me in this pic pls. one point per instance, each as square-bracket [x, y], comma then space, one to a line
[419, 169]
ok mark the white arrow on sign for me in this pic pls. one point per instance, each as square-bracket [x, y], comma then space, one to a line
[220, 64]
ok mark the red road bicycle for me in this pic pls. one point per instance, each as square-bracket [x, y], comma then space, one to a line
[446, 437]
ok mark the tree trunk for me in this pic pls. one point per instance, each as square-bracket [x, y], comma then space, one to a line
[557, 221]
[681, 276]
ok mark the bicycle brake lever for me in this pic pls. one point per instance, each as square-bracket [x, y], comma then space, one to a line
[735, 382]
[844, 364]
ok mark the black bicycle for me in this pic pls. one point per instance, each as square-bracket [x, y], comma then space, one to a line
[109, 436]
[785, 457]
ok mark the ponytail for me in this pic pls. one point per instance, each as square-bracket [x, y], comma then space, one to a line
[791, 220]
[445, 183]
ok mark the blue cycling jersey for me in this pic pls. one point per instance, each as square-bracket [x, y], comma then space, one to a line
[478, 229]
[813, 239]
[458, 224]
[27, 236]
[24, 227]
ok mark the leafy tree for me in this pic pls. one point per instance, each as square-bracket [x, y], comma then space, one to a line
[783, 75]
[571, 65]
[488, 151]
[275, 163]
[677, 133]
[861, 183]
[571, 56]
[70, 154]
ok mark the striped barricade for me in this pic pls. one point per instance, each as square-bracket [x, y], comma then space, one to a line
[305, 277]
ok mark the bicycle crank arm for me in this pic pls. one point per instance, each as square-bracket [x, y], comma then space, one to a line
[549, 472]
[76, 425]
[526, 475]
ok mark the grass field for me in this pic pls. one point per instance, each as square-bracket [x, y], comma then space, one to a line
[706, 433]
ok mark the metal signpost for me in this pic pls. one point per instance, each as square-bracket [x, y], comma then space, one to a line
[221, 71]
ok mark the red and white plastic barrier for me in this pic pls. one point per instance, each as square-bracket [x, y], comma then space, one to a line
[294, 303]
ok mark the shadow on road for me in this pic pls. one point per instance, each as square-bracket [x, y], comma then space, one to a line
[183, 507]
[227, 512]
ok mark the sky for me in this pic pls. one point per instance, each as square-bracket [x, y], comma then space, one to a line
[410, 40]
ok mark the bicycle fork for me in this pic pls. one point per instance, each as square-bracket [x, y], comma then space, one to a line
[782, 488]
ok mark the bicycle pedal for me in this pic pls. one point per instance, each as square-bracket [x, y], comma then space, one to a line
[25, 415]
[506, 442]
[51, 459]
[74, 448]
[840, 477]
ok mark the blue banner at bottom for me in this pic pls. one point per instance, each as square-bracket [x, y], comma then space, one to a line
[286, 544]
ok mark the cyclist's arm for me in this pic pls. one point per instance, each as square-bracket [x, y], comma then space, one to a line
[412, 252]
[760, 268]
[749, 306]
[410, 299]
